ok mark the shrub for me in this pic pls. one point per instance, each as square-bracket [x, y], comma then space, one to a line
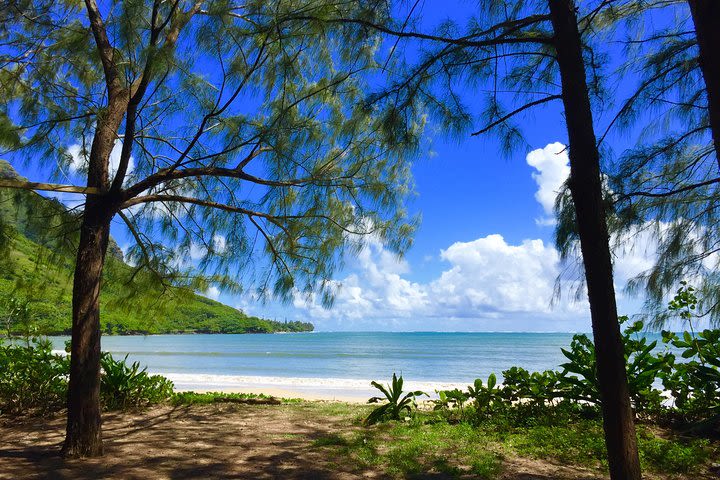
[397, 403]
[32, 378]
[125, 386]
[35, 380]
[644, 365]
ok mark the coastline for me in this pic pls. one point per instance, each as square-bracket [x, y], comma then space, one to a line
[306, 388]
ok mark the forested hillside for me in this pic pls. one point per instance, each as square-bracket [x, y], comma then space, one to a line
[36, 264]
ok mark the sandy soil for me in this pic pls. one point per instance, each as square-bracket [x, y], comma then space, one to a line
[229, 441]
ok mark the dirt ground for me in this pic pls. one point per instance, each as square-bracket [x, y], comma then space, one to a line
[227, 441]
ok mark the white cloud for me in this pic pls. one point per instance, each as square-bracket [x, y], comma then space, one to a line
[486, 279]
[212, 292]
[552, 165]
[490, 275]
[487, 283]
[79, 159]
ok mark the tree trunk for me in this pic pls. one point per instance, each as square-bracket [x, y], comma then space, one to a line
[586, 190]
[83, 435]
[706, 17]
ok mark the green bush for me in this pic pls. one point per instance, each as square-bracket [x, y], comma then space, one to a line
[644, 365]
[32, 378]
[546, 398]
[125, 386]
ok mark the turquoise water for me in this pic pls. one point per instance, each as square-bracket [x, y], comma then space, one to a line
[342, 361]
[422, 356]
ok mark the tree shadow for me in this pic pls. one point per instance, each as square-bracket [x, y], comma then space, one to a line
[228, 441]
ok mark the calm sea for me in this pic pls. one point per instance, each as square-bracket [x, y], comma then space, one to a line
[335, 363]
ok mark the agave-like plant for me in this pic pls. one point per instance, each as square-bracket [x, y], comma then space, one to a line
[396, 404]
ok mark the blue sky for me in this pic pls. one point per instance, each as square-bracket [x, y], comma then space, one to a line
[483, 258]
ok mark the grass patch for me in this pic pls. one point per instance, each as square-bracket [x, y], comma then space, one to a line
[206, 398]
[583, 443]
[428, 445]
[403, 450]
[672, 456]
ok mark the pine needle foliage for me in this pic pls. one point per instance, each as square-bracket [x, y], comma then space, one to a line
[246, 128]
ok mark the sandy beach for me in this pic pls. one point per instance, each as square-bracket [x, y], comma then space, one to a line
[307, 388]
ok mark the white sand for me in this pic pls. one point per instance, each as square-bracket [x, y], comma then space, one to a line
[341, 389]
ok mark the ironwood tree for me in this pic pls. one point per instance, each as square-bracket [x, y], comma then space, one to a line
[526, 55]
[664, 190]
[232, 130]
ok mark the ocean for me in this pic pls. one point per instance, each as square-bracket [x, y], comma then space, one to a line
[335, 364]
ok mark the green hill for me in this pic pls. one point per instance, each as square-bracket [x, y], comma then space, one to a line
[36, 266]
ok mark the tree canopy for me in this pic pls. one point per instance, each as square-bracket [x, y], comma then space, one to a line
[240, 131]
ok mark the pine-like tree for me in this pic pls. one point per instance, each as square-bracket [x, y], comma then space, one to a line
[234, 130]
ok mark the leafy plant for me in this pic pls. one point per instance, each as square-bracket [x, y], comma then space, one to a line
[124, 386]
[397, 403]
[643, 366]
[19, 318]
[32, 378]
[451, 403]
[486, 398]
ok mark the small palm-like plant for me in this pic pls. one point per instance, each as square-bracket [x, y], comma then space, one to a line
[396, 404]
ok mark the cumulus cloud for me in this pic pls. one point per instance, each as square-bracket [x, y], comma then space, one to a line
[79, 159]
[212, 292]
[552, 165]
[485, 279]
[486, 283]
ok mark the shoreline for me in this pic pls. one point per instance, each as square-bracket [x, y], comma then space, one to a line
[306, 388]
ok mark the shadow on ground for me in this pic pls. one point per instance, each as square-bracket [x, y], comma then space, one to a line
[225, 441]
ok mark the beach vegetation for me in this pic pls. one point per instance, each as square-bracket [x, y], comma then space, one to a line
[125, 386]
[691, 400]
[235, 149]
[34, 380]
[429, 445]
[398, 405]
[207, 398]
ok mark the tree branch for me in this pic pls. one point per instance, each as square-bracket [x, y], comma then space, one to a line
[48, 187]
[670, 192]
[105, 49]
[515, 112]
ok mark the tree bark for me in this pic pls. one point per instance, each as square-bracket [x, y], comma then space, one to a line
[83, 437]
[84, 433]
[706, 17]
[586, 190]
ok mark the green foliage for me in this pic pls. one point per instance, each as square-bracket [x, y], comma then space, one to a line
[643, 365]
[206, 398]
[428, 445]
[32, 378]
[672, 456]
[18, 317]
[126, 386]
[269, 170]
[581, 442]
[417, 449]
[535, 398]
[695, 382]
[397, 403]
[38, 275]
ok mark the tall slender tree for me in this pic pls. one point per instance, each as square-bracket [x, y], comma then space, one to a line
[528, 54]
[585, 185]
[232, 129]
[666, 187]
